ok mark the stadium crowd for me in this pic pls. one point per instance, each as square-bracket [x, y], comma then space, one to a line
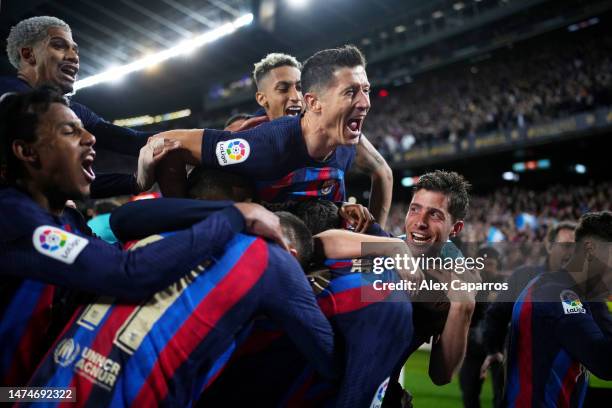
[528, 84]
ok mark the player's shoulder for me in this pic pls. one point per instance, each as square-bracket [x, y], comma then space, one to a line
[19, 214]
[12, 84]
[555, 294]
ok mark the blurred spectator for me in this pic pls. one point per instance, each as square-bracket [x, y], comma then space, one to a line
[99, 223]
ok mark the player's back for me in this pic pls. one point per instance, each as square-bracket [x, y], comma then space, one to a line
[163, 352]
[373, 329]
[541, 372]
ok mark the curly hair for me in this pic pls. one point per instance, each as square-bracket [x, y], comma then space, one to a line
[28, 33]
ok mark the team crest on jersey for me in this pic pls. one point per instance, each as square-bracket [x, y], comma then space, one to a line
[232, 151]
[380, 394]
[571, 303]
[58, 244]
[66, 352]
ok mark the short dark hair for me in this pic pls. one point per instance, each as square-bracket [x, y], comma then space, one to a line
[453, 185]
[213, 184]
[271, 61]
[19, 118]
[298, 234]
[553, 232]
[595, 224]
[317, 215]
[319, 69]
[235, 117]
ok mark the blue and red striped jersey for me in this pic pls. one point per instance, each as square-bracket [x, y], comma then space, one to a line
[373, 330]
[166, 350]
[26, 326]
[553, 338]
[38, 249]
[274, 156]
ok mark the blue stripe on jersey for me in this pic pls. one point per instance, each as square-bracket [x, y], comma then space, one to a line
[560, 366]
[15, 320]
[345, 282]
[220, 362]
[513, 380]
[142, 361]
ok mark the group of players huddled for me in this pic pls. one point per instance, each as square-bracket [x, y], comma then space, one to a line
[250, 281]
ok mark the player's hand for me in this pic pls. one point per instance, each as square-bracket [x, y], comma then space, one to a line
[357, 216]
[262, 222]
[491, 359]
[150, 154]
[251, 123]
[456, 293]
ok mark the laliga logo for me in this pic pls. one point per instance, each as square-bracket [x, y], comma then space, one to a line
[52, 239]
[66, 352]
[236, 150]
[232, 151]
[327, 187]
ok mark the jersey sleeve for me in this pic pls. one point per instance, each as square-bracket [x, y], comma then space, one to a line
[113, 184]
[109, 136]
[582, 338]
[53, 255]
[142, 218]
[248, 152]
[291, 302]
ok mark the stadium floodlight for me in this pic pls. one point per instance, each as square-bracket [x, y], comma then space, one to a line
[297, 3]
[182, 48]
[580, 168]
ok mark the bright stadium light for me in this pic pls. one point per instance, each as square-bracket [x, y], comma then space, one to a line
[580, 168]
[184, 47]
[297, 3]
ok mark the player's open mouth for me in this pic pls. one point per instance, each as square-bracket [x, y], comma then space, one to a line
[420, 238]
[87, 167]
[293, 110]
[354, 126]
[70, 71]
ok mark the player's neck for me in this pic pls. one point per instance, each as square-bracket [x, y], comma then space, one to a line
[52, 202]
[28, 76]
[577, 270]
[318, 143]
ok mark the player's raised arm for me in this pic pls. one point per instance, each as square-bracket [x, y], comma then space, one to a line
[370, 162]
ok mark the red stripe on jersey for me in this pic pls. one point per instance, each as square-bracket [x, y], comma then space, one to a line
[257, 342]
[32, 346]
[103, 345]
[568, 384]
[525, 363]
[238, 281]
[350, 300]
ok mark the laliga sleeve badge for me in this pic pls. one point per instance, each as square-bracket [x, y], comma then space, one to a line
[58, 244]
[380, 394]
[571, 303]
[232, 151]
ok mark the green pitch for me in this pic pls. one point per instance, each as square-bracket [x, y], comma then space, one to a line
[427, 395]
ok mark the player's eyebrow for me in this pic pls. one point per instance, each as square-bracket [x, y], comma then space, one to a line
[286, 83]
[75, 124]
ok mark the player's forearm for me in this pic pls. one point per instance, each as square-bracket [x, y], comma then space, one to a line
[370, 162]
[341, 244]
[191, 143]
[447, 353]
[381, 193]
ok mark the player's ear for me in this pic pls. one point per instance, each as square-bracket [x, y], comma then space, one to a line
[457, 227]
[261, 99]
[27, 55]
[24, 151]
[312, 102]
